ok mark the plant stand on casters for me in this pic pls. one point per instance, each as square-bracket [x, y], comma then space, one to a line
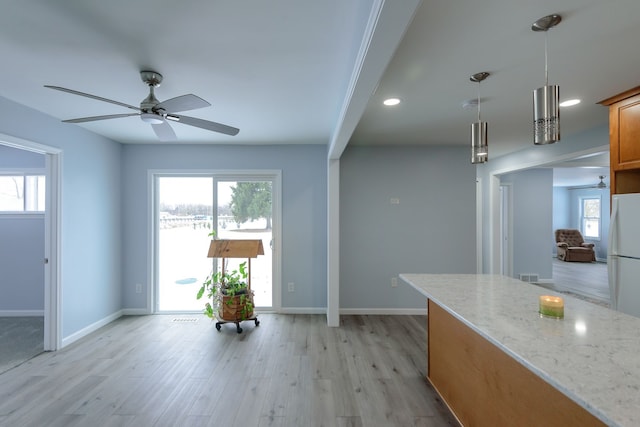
[231, 292]
[235, 309]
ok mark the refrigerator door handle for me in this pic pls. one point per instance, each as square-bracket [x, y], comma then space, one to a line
[613, 228]
[612, 269]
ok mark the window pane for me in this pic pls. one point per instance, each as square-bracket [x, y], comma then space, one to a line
[11, 193]
[591, 218]
[591, 228]
[185, 221]
[592, 208]
[34, 193]
[41, 193]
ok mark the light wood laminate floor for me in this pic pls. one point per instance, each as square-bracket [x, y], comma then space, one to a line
[586, 279]
[292, 370]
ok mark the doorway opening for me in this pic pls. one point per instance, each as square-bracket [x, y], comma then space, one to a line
[52, 339]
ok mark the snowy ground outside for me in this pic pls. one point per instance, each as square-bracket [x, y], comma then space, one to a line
[183, 264]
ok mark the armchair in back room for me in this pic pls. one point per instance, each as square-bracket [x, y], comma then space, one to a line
[572, 247]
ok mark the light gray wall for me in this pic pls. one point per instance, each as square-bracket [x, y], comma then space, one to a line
[304, 210]
[530, 157]
[11, 158]
[532, 216]
[91, 213]
[21, 245]
[431, 230]
[560, 213]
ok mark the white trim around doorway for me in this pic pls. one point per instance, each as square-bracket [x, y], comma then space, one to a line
[53, 226]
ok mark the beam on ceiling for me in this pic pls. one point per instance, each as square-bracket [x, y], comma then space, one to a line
[388, 23]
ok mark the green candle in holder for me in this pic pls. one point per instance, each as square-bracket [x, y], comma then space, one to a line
[551, 306]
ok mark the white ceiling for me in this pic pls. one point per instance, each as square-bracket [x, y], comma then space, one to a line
[315, 72]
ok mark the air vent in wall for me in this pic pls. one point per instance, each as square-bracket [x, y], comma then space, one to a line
[530, 277]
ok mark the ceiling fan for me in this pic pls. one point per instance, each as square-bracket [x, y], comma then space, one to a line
[600, 185]
[156, 113]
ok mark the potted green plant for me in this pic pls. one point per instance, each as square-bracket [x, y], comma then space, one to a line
[228, 294]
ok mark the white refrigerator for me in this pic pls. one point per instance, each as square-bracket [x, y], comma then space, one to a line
[623, 261]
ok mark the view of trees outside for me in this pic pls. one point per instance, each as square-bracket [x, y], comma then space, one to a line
[246, 214]
[22, 193]
[185, 221]
[251, 201]
[11, 193]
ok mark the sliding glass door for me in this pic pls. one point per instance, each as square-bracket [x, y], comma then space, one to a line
[188, 209]
[184, 220]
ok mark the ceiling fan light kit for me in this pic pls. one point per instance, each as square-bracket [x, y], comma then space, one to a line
[150, 118]
[156, 113]
[479, 141]
[546, 99]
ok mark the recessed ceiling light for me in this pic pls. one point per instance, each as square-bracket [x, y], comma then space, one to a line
[570, 103]
[391, 101]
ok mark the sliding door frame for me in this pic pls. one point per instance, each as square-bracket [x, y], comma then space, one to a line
[275, 176]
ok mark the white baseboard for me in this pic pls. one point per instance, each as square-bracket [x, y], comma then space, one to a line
[303, 310]
[89, 329]
[356, 311]
[385, 311]
[21, 313]
[545, 281]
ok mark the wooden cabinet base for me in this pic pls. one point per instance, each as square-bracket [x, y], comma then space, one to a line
[484, 386]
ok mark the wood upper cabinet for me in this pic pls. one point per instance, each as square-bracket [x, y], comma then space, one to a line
[624, 137]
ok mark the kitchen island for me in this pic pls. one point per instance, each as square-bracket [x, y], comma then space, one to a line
[495, 361]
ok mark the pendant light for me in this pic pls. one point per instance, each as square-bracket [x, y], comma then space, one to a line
[546, 99]
[479, 145]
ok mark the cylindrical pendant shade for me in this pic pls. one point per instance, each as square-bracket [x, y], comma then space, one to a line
[546, 115]
[479, 145]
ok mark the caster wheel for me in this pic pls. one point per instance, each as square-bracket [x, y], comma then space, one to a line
[218, 326]
[239, 330]
[257, 322]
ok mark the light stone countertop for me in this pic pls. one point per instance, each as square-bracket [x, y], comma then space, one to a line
[592, 355]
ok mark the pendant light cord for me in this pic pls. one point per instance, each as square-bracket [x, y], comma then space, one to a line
[546, 60]
[478, 101]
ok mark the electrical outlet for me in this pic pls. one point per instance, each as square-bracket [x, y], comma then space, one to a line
[394, 282]
[394, 201]
[292, 286]
[138, 288]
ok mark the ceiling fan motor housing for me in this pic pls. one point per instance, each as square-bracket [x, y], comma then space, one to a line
[151, 78]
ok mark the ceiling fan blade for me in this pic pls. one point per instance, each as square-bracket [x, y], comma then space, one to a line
[204, 124]
[94, 118]
[88, 95]
[164, 131]
[182, 103]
